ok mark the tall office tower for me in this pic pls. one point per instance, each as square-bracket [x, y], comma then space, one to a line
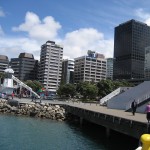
[3, 63]
[50, 65]
[25, 67]
[90, 68]
[131, 39]
[147, 64]
[109, 74]
[67, 71]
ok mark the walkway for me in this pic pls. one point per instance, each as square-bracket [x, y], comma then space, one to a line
[96, 108]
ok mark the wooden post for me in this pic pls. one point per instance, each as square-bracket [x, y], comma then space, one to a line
[81, 121]
[107, 132]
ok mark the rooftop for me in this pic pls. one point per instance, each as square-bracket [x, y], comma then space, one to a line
[3, 57]
[26, 55]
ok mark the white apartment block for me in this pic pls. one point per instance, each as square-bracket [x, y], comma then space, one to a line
[90, 68]
[50, 65]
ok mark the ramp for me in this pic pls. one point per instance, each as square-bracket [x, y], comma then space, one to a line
[105, 99]
[123, 101]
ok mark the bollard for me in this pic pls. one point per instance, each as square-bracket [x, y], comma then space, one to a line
[145, 139]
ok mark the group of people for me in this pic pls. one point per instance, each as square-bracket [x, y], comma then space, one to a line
[147, 109]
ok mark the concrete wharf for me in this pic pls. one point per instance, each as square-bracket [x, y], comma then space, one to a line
[111, 119]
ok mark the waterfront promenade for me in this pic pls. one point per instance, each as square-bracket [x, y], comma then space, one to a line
[94, 107]
[111, 119]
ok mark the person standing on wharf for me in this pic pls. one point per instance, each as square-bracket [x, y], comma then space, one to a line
[134, 106]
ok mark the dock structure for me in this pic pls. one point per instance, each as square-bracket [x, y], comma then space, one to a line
[111, 119]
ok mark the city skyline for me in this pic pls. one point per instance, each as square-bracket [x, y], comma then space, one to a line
[78, 26]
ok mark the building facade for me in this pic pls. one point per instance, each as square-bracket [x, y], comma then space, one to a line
[67, 71]
[90, 68]
[109, 74]
[131, 39]
[25, 67]
[50, 65]
[147, 64]
[4, 61]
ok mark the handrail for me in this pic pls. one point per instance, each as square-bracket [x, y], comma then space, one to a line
[25, 86]
[112, 94]
[109, 96]
[139, 100]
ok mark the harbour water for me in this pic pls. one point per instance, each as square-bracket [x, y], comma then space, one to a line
[25, 133]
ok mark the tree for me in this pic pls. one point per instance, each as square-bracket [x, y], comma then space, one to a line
[81, 87]
[105, 87]
[67, 90]
[90, 91]
[35, 85]
[87, 90]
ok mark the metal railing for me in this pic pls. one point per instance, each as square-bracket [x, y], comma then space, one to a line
[139, 100]
[25, 86]
[112, 94]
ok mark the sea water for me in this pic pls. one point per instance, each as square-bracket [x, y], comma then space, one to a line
[25, 133]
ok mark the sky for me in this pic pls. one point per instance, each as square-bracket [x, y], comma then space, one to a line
[77, 25]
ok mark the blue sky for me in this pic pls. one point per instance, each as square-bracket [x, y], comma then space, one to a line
[77, 25]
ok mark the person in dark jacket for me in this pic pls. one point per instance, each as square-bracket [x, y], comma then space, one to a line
[134, 107]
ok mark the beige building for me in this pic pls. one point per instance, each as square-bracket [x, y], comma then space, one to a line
[90, 68]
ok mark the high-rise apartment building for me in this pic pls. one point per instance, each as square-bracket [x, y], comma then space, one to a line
[67, 71]
[109, 74]
[131, 39]
[90, 68]
[147, 64]
[50, 65]
[3, 63]
[25, 67]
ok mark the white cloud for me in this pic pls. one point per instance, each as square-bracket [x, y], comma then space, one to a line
[39, 29]
[12, 47]
[77, 43]
[144, 16]
[2, 14]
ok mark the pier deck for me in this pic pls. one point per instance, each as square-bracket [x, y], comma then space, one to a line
[96, 108]
[111, 119]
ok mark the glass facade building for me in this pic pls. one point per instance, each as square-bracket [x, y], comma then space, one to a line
[131, 39]
[67, 71]
[147, 64]
[109, 74]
